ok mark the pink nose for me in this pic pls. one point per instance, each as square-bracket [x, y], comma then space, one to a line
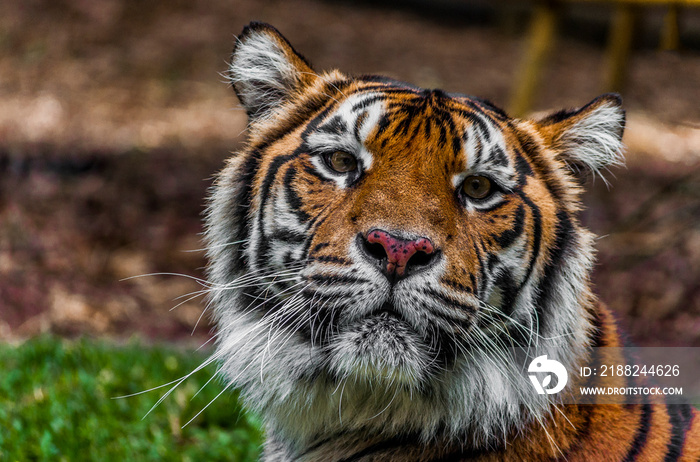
[400, 251]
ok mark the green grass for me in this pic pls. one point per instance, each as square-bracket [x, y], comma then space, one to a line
[56, 403]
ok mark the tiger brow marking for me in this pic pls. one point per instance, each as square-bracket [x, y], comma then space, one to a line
[358, 124]
[476, 120]
[368, 102]
[479, 148]
[334, 126]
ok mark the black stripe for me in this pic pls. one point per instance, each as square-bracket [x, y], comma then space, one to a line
[414, 133]
[403, 125]
[334, 126]
[359, 122]
[450, 302]
[482, 270]
[485, 108]
[330, 259]
[456, 285]
[680, 416]
[263, 241]
[509, 291]
[383, 123]
[368, 102]
[322, 442]
[288, 235]
[311, 294]
[476, 119]
[320, 246]
[522, 166]
[457, 145]
[427, 126]
[563, 219]
[242, 203]
[287, 260]
[479, 150]
[498, 156]
[640, 438]
[312, 171]
[292, 197]
[514, 231]
[495, 207]
[491, 262]
[336, 279]
[388, 85]
[443, 135]
[536, 244]
[555, 187]
[316, 221]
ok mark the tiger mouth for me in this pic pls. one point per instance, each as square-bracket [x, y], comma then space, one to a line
[387, 311]
[381, 325]
[385, 325]
[381, 346]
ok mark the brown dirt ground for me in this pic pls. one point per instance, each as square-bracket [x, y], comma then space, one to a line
[113, 119]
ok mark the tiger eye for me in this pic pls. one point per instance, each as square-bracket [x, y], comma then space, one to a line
[476, 187]
[342, 162]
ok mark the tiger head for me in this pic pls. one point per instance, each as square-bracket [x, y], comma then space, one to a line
[376, 249]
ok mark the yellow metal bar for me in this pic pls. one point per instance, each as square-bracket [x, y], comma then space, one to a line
[670, 34]
[541, 37]
[619, 46]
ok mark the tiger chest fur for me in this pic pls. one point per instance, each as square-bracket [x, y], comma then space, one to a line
[376, 248]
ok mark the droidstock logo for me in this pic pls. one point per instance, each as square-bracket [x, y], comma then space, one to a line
[549, 366]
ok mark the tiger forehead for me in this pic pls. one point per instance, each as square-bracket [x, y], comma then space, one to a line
[468, 133]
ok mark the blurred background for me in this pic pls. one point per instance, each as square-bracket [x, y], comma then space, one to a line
[114, 117]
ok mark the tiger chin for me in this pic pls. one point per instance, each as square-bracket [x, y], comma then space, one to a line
[377, 248]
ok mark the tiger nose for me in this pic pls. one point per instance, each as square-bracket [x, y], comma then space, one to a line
[397, 257]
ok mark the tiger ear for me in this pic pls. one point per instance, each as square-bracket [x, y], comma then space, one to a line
[265, 70]
[589, 138]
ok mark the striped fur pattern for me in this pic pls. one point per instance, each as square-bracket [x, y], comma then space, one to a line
[346, 358]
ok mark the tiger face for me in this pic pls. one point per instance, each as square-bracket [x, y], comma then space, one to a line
[377, 248]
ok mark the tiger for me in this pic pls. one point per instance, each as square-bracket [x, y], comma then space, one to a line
[374, 251]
